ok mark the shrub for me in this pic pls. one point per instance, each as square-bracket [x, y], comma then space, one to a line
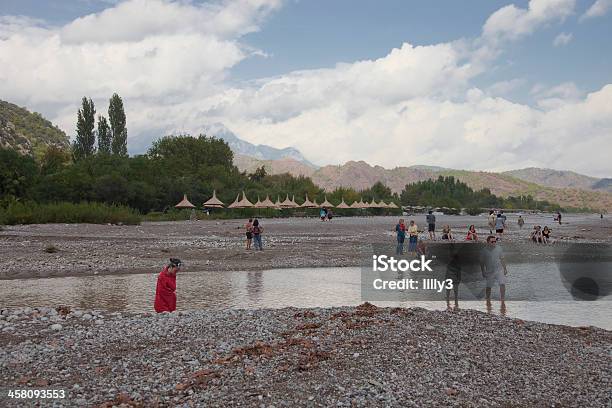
[473, 211]
[69, 213]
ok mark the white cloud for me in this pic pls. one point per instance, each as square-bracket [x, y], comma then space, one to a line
[562, 39]
[511, 22]
[597, 9]
[416, 105]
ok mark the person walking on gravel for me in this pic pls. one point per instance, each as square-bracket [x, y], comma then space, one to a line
[257, 231]
[165, 293]
[493, 268]
[431, 225]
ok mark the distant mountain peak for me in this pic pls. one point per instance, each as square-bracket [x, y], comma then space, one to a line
[259, 151]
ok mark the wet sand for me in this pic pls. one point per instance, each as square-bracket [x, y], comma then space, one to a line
[216, 245]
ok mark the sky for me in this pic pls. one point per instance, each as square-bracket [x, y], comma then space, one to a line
[479, 85]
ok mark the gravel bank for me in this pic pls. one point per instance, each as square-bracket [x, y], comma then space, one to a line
[85, 249]
[363, 356]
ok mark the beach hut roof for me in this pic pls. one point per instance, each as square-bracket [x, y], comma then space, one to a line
[244, 203]
[308, 203]
[343, 204]
[355, 204]
[288, 203]
[293, 203]
[392, 205]
[235, 203]
[257, 203]
[327, 204]
[267, 203]
[214, 202]
[184, 203]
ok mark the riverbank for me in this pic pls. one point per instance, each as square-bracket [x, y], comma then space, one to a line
[48, 250]
[349, 356]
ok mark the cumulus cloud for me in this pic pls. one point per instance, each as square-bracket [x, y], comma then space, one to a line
[562, 39]
[512, 23]
[597, 9]
[415, 105]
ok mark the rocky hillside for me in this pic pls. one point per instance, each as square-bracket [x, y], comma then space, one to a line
[28, 133]
[286, 165]
[558, 178]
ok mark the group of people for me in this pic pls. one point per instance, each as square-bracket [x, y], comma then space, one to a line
[540, 235]
[253, 234]
[413, 235]
[326, 214]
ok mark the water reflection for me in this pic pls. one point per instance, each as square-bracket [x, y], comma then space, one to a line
[312, 287]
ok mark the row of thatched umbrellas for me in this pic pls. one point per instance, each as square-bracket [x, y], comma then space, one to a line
[244, 202]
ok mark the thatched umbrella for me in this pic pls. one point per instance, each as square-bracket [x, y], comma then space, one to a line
[355, 204]
[293, 203]
[392, 205]
[244, 203]
[288, 203]
[343, 204]
[267, 203]
[326, 204]
[308, 203]
[277, 204]
[184, 203]
[214, 202]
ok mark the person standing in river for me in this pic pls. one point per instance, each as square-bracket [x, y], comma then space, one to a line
[257, 231]
[165, 292]
[431, 225]
[493, 268]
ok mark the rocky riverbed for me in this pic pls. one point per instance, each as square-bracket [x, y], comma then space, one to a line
[361, 356]
[84, 249]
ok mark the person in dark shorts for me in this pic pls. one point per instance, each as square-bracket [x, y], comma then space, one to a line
[431, 225]
[499, 226]
[400, 230]
[546, 235]
[249, 233]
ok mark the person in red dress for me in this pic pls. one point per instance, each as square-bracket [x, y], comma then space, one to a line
[165, 293]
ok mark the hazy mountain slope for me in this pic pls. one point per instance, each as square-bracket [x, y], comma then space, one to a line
[27, 132]
[286, 165]
[554, 178]
[261, 152]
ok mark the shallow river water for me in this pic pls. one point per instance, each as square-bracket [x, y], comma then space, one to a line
[307, 287]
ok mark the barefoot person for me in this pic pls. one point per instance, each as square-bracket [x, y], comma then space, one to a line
[257, 231]
[165, 293]
[431, 225]
[249, 233]
[493, 268]
[447, 235]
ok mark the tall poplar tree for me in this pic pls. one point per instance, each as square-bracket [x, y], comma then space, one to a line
[116, 116]
[85, 138]
[104, 136]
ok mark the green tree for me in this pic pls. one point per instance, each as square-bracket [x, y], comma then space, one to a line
[116, 116]
[85, 136]
[17, 174]
[259, 174]
[104, 136]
